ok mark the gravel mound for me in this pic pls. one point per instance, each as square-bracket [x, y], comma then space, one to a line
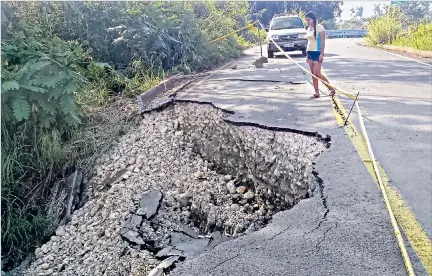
[182, 182]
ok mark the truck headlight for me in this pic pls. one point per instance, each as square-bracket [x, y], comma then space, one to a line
[275, 37]
[301, 36]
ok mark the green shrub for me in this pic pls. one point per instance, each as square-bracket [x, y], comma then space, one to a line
[383, 30]
[417, 38]
[40, 80]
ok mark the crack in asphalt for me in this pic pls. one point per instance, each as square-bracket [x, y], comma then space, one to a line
[278, 234]
[238, 254]
[224, 261]
[317, 246]
[323, 201]
[231, 258]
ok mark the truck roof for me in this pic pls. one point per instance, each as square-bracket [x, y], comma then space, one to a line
[284, 15]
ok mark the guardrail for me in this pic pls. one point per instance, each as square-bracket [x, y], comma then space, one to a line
[345, 33]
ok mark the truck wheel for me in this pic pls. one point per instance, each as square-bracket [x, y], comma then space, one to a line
[270, 54]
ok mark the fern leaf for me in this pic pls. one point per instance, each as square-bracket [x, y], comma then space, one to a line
[71, 87]
[53, 81]
[47, 106]
[39, 65]
[67, 104]
[9, 85]
[21, 109]
[35, 88]
[76, 119]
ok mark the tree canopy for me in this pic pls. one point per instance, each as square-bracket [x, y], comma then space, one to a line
[325, 10]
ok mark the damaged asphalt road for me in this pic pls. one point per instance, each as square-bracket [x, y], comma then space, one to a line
[343, 230]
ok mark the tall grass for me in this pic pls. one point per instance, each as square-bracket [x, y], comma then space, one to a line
[23, 217]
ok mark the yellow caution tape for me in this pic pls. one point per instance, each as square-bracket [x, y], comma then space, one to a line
[399, 212]
[394, 223]
[233, 32]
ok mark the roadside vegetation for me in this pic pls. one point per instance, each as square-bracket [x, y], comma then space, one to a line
[408, 25]
[67, 67]
[419, 37]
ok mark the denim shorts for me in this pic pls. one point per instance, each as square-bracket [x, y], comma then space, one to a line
[313, 55]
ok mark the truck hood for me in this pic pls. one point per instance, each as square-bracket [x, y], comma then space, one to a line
[287, 31]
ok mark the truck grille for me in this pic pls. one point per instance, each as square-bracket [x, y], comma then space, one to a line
[288, 37]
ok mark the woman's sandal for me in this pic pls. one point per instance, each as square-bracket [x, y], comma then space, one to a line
[315, 96]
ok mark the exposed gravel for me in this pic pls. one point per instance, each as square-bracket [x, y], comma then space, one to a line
[203, 177]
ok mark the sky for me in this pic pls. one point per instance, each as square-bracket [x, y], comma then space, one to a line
[368, 8]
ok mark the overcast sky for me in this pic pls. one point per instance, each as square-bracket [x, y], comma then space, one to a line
[368, 8]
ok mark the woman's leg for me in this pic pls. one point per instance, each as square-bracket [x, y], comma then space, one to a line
[317, 70]
[314, 80]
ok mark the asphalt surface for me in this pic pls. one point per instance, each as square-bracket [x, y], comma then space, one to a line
[356, 238]
[396, 99]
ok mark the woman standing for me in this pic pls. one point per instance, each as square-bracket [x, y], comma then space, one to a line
[315, 36]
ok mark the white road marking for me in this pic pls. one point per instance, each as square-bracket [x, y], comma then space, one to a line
[405, 57]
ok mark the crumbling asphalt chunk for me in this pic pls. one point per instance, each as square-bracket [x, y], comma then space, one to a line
[134, 222]
[164, 265]
[177, 238]
[216, 238]
[149, 204]
[192, 247]
[188, 231]
[131, 236]
[169, 251]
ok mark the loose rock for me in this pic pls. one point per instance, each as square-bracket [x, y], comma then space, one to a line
[235, 207]
[231, 187]
[249, 195]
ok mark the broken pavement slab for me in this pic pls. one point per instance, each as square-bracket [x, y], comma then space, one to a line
[192, 247]
[164, 265]
[188, 231]
[132, 236]
[149, 204]
[169, 251]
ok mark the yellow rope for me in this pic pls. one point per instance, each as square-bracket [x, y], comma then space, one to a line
[233, 32]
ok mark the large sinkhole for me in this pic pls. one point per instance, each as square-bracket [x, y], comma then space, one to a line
[181, 182]
[245, 175]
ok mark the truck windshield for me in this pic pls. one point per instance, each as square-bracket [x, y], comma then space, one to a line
[286, 23]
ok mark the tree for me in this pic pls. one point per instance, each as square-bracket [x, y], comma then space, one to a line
[377, 10]
[352, 24]
[323, 9]
[359, 12]
[415, 10]
[329, 24]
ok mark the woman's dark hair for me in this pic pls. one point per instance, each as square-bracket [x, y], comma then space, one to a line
[312, 16]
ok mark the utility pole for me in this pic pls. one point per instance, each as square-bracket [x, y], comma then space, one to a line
[259, 28]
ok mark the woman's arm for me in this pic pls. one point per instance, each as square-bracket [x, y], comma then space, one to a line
[322, 36]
